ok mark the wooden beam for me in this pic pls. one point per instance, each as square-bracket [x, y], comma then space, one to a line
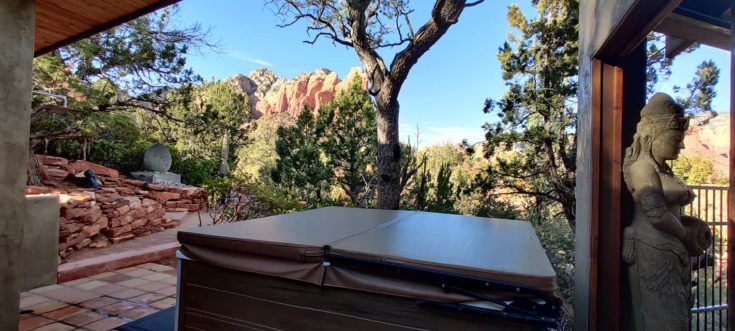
[697, 31]
[633, 28]
[106, 26]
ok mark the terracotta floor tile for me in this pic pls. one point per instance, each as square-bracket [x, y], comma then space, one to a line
[107, 289]
[71, 295]
[152, 286]
[32, 300]
[139, 312]
[63, 313]
[116, 278]
[47, 306]
[126, 270]
[157, 276]
[125, 294]
[84, 318]
[155, 267]
[76, 281]
[102, 275]
[99, 302]
[25, 294]
[170, 280]
[44, 289]
[24, 316]
[55, 327]
[117, 308]
[134, 282]
[167, 291]
[139, 272]
[33, 322]
[165, 303]
[105, 324]
[147, 298]
[172, 272]
[92, 284]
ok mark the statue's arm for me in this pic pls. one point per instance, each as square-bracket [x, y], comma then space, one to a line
[649, 196]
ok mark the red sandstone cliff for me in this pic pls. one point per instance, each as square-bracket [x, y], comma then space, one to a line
[270, 94]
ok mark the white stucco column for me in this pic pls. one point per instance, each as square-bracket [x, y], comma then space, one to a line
[16, 60]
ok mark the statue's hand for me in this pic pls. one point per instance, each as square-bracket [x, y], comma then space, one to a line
[699, 236]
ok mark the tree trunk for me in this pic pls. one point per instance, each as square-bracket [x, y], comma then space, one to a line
[388, 152]
[35, 175]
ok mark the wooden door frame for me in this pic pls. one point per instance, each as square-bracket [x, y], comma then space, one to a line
[616, 101]
[617, 96]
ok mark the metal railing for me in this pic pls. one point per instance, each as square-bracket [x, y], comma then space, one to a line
[709, 272]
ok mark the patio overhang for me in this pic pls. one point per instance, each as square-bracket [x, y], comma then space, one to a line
[705, 22]
[62, 22]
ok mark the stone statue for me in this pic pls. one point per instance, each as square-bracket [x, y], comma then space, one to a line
[658, 244]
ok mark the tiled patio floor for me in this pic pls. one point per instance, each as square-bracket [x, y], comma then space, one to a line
[100, 302]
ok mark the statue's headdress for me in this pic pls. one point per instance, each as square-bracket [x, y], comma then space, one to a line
[660, 114]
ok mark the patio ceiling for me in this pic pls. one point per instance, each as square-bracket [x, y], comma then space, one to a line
[62, 22]
[706, 22]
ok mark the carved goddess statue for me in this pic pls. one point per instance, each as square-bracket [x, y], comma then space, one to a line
[660, 241]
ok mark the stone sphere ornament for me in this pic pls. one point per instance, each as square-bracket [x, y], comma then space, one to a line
[157, 158]
[658, 243]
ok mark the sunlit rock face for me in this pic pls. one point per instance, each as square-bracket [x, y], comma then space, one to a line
[708, 137]
[271, 94]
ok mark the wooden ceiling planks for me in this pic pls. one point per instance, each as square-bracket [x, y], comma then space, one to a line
[62, 22]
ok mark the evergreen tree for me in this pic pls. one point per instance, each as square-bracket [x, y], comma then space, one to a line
[537, 118]
[701, 91]
[349, 141]
[335, 147]
[301, 169]
[444, 192]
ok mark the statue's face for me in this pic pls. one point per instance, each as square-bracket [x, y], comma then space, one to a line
[667, 145]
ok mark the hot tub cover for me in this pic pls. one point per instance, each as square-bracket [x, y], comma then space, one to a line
[296, 246]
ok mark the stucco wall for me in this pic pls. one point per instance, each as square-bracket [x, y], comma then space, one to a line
[40, 241]
[16, 56]
[597, 19]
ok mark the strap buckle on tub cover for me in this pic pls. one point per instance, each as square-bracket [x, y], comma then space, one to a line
[531, 305]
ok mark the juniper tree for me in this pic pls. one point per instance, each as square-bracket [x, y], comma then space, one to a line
[537, 115]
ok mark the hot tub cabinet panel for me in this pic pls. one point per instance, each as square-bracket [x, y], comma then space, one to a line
[215, 298]
[358, 269]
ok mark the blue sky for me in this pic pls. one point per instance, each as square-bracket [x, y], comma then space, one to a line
[445, 90]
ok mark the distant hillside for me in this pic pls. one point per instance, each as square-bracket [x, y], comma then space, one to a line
[270, 94]
[709, 137]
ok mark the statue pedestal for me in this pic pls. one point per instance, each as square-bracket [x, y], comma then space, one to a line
[155, 177]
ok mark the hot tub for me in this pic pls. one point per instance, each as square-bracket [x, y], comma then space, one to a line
[351, 269]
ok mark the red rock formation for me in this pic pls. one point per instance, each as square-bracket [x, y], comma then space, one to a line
[269, 94]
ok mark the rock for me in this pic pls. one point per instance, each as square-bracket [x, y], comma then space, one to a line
[91, 230]
[269, 94]
[128, 236]
[49, 160]
[32, 190]
[92, 216]
[163, 196]
[76, 213]
[98, 241]
[81, 165]
[157, 158]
